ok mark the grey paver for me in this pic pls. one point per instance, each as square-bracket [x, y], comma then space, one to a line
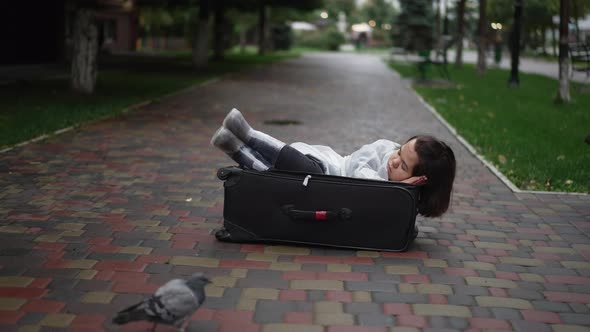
[458, 323]
[203, 326]
[506, 313]
[316, 295]
[582, 289]
[580, 308]
[481, 312]
[99, 256]
[439, 322]
[158, 268]
[459, 299]
[470, 290]
[556, 287]
[31, 318]
[358, 307]
[575, 319]
[375, 319]
[551, 306]
[155, 157]
[526, 294]
[266, 283]
[381, 297]
[372, 286]
[62, 283]
[228, 301]
[526, 326]
[273, 311]
[436, 329]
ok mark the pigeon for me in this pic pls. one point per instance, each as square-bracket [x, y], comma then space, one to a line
[171, 304]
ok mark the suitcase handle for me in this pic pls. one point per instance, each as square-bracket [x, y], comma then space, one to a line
[317, 215]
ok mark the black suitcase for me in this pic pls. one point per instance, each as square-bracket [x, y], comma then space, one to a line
[297, 208]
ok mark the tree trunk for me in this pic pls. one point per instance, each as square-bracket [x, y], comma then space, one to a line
[481, 46]
[262, 30]
[134, 30]
[437, 28]
[460, 33]
[270, 45]
[218, 32]
[553, 41]
[563, 93]
[243, 41]
[62, 48]
[445, 20]
[514, 80]
[543, 40]
[85, 48]
[201, 41]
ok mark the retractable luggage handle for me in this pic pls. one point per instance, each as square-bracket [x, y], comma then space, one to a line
[317, 215]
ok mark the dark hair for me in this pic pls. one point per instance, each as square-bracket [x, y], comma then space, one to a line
[437, 162]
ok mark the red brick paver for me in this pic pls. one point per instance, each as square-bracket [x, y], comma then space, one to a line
[93, 220]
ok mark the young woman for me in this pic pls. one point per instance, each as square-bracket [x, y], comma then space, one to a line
[421, 160]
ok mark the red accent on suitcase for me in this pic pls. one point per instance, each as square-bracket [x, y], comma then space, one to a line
[321, 215]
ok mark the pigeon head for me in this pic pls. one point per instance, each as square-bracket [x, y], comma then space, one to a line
[197, 281]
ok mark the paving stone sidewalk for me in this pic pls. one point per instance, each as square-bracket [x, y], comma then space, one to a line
[93, 220]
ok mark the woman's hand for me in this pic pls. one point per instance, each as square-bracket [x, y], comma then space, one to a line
[416, 180]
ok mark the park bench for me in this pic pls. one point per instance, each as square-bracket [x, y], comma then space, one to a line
[580, 58]
[395, 51]
[434, 58]
[438, 61]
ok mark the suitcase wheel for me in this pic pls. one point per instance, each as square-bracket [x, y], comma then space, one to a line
[223, 235]
[225, 172]
[234, 235]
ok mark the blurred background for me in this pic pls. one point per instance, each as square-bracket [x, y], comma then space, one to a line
[47, 34]
[64, 63]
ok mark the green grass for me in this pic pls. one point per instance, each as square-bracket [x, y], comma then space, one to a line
[537, 144]
[32, 108]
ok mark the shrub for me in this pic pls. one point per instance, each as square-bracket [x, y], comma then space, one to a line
[327, 39]
[416, 25]
[282, 37]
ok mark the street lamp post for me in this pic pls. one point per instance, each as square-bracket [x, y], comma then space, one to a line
[497, 27]
[515, 43]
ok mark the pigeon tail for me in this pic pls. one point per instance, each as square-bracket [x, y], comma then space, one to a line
[131, 314]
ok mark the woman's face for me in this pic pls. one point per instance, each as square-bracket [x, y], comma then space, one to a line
[402, 162]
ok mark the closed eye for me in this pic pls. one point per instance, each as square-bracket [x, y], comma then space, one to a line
[404, 165]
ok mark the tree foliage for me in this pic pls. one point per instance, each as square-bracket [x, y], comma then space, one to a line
[416, 24]
[380, 11]
[334, 7]
[157, 20]
[537, 17]
[482, 38]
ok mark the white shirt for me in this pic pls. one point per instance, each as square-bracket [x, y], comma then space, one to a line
[368, 162]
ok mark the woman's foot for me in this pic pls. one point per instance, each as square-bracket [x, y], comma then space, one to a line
[226, 141]
[237, 124]
[268, 146]
[245, 156]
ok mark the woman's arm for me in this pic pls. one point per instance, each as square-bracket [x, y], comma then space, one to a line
[370, 161]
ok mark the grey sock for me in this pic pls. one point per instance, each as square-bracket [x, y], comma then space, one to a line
[227, 142]
[235, 122]
[268, 146]
[238, 151]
